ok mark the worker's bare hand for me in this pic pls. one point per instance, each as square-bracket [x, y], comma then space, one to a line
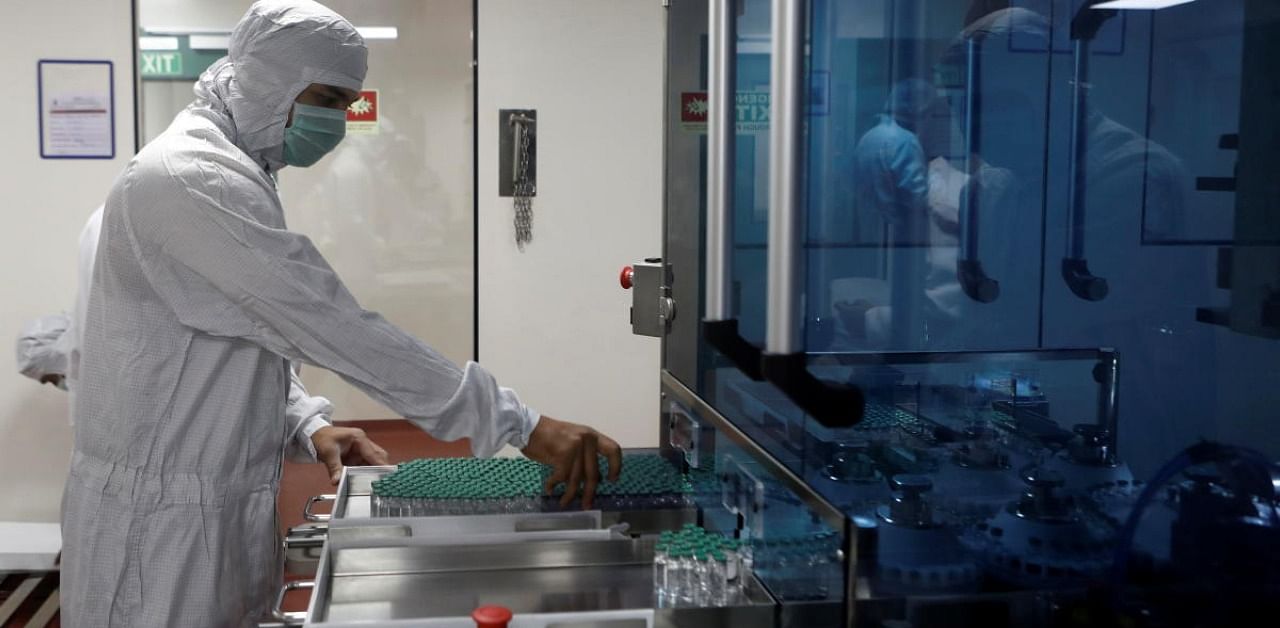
[338, 446]
[573, 453]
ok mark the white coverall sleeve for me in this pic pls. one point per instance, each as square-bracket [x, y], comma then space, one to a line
[226, 274]
[304, 415]
[40, 349]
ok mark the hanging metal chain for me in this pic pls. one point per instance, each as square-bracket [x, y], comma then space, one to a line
[524, 190]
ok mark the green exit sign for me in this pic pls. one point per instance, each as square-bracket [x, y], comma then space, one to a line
[161, 63]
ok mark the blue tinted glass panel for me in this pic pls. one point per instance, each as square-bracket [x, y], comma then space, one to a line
[1041, 238]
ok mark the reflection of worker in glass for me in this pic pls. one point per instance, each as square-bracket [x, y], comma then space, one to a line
[1134, 186]
[891, 185]
[889, 162]
[909, 171]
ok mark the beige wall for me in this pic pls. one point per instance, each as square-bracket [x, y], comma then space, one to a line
[391, 212]
[217, 14]
[46, 202]
[554, 323]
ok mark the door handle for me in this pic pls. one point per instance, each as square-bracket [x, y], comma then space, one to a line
[973, 279]
[784, 362]
[719, 326]
[1075, 265]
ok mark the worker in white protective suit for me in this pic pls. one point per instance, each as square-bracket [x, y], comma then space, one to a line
[200, 297]
[49, 352]
[906, 174]
[49, 347]
[44, 354]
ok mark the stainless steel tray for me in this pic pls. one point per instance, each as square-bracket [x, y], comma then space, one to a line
[351, 513]
[549, 583]
[353, 500]
[350, 521]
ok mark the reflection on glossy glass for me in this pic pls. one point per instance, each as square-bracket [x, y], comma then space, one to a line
[941, 199]
[1024, 245]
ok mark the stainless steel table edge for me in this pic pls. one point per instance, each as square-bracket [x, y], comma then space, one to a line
[761, 614]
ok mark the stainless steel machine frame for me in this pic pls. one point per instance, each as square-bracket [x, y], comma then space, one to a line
[529, 577]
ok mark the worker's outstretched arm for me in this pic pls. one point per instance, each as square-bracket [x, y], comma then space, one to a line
[212, 244]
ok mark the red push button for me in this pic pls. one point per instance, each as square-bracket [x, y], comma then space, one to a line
[491, 617]
[625, 277]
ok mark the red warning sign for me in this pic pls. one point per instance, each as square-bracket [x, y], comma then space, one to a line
[693, 111]
[750, 112]
[362, 115]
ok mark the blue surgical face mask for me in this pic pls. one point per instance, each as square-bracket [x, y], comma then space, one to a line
[315, 131]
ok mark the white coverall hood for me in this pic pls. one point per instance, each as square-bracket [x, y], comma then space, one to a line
[277, 50]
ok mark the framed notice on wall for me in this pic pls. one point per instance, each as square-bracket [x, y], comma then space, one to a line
[76, 102]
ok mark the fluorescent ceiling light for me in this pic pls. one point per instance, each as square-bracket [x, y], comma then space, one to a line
[1149, 5]
[379, 32]
[185, 30]
[209, 42]
[368, 32]
[157, 43]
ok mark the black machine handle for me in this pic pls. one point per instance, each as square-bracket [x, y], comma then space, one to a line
[973, 279]
[833, 404]
[1075, 265]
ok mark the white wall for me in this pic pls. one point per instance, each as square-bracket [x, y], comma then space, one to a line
[553, 321]
[219, 14]
[46, 202]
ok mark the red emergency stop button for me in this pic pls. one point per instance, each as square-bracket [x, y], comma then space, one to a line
[625, 277]
[491, 617]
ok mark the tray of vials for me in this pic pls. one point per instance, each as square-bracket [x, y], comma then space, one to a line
[467, 486]
[473, 486]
